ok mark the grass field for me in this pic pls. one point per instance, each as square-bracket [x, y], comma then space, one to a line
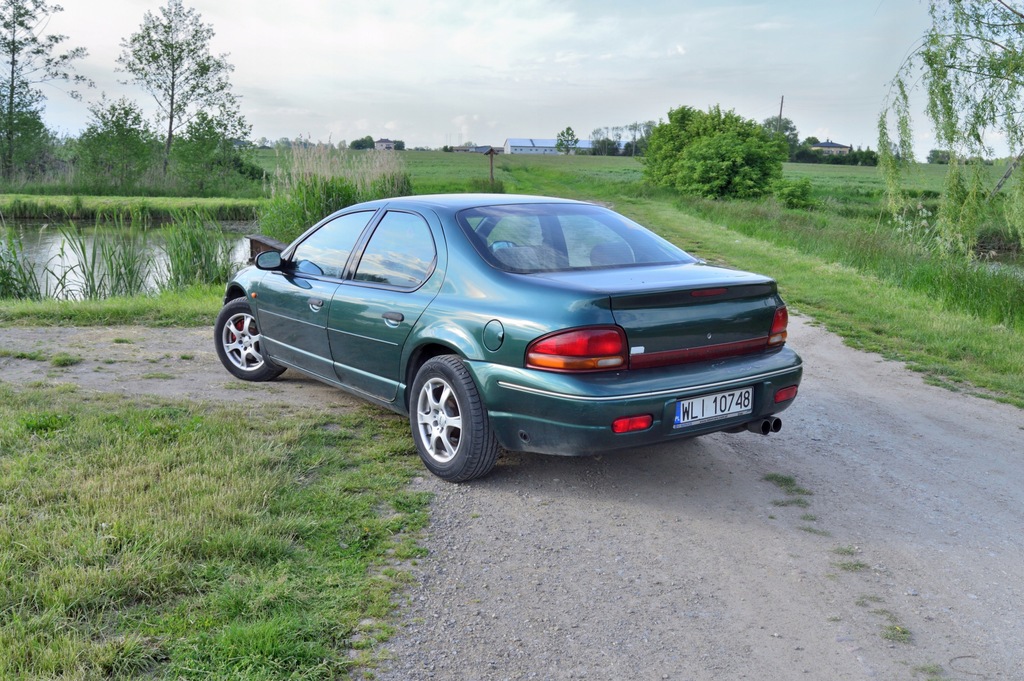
[922, 177]
[147, 538]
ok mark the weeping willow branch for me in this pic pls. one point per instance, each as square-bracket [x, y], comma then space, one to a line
[970, 65]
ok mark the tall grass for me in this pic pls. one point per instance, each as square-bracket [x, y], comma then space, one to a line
[114, 264]
[134, 209]
[197, 252]
[119, 261]
[894, 253]
[313, 181]
[290, 211]
[18, 278]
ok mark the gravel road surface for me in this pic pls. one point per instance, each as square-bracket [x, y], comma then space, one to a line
[904, 561]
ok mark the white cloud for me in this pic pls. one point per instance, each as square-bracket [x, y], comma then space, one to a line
[413, 68]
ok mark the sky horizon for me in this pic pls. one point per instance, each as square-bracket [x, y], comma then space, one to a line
[439, 72]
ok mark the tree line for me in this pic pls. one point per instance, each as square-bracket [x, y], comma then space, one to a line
[198, 141]
[804, 152]
[618, 140]
[633, 139]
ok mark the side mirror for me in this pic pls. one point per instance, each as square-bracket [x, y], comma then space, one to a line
[269, 260]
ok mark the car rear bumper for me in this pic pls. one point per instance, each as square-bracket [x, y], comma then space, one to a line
[572, 414]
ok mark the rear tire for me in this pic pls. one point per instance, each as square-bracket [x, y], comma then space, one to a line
[449, 422]
[240, 345]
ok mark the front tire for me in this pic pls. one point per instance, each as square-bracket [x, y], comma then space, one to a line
[240, 345]
[449, 422]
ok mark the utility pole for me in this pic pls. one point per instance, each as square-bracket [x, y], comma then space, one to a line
[778, 126]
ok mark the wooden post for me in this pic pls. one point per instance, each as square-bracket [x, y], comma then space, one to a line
[492, 153]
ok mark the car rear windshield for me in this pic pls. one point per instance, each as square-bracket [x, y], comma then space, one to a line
[555, 237]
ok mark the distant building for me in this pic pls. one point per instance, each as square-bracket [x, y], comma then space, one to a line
[830, 148]
[384, 145]
[480, 149]
[527, 145]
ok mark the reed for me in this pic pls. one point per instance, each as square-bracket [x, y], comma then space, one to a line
[18, 278]
[196, 251]
[313, 181]
[115, 263]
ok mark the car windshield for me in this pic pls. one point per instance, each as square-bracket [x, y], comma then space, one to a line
[556, 237]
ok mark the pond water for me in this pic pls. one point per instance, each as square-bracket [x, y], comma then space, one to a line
[44, 248]
[1012, 265]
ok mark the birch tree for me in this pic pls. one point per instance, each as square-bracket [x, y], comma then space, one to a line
[170, 58]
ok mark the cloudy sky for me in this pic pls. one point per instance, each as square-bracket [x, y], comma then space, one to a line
[434, 72]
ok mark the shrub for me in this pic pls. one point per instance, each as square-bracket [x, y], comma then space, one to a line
[118, 146]
[793, 193]
[714, 154]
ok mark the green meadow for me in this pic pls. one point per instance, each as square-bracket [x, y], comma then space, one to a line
[183, 539]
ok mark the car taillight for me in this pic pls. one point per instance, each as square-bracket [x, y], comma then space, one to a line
[779, 324]
[785, 394]
[590, 349]
[632, 424]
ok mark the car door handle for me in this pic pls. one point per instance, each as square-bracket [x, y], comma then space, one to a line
[393, 319]
[315, 304]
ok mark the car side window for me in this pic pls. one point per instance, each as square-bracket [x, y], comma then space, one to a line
[400, 253]
[325, 251]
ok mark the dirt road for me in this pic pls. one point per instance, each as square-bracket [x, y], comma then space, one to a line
[683, 562]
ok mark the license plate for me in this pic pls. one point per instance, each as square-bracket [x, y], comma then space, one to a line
[713, 407]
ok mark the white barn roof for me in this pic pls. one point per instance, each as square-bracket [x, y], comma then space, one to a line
[541, 143]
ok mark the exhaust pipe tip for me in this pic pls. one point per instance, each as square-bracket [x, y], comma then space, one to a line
[765, 426]
[762, 427]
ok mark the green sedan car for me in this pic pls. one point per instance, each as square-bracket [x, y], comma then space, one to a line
[521, 323]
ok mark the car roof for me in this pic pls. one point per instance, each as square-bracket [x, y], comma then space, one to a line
[457, 202]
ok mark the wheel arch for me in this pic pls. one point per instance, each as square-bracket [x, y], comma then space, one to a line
[234, 290]
[420, 356]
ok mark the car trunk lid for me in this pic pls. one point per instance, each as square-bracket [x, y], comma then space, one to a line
[673, 317]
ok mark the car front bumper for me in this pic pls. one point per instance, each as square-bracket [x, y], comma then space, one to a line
[572, 414]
